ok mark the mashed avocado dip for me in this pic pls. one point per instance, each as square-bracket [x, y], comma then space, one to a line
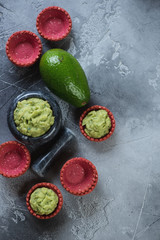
[33, 117]
[97, 123]
[43, 201]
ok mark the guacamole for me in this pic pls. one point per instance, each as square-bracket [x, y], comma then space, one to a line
[97, 123]
[43, 201]
[33, 117]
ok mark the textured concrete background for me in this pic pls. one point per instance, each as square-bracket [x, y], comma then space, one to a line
[117, 42]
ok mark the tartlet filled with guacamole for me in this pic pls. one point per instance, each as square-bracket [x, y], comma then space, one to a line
[44, 200]
[33, 117]
[97, 123]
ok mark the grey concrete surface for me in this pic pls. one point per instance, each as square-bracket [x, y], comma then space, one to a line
[117, 42]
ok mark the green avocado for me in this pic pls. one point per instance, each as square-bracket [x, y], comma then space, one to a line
[65, 77]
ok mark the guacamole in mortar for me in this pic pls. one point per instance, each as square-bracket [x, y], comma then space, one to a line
[33, 117]
[97, 123]
[43, 201]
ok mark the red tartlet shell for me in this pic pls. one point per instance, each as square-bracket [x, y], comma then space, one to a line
[55, 18]
[97, 107]
[52, 187]
[23, 48]
[82, 184]
[11, 153]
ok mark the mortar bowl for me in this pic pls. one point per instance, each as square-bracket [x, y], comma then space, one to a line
[56, 137]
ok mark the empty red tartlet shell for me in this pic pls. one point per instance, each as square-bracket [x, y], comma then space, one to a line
[79, 176]
[52, 187]
[110, 114]
[14, 159]
[54, 23]
[23, 48]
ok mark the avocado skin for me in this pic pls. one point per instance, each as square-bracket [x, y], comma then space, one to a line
[65, 77]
